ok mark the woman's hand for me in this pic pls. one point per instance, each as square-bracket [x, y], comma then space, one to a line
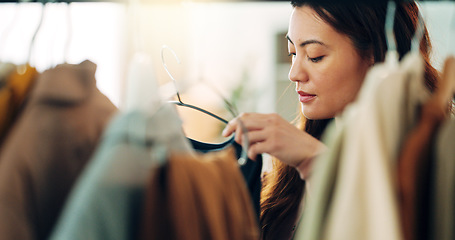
[270, 133]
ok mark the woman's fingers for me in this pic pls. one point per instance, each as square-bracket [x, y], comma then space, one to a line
[270, 133]
[256, 141]
[256, 149]
[254, 137]
[230, 128]
[251, 122]
[238, 133]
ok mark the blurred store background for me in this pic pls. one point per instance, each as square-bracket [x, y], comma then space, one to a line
[236, 49]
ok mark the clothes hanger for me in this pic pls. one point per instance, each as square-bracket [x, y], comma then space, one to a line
[142, 101]
[6, 67]
[390, 36]
[418, 34]
[389, 22]
[32, 42]
[10, 25]
[25, 68]
[245, 142]
[229, 106]
[179, 102]
[69, 33]
[392, 56]
[141, 85]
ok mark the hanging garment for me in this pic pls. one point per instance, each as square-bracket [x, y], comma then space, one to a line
[106, 202]
[359, 200]
[311, 224]
[251, 170]
[415, 166]
[414, 172]
[49, 145]
[5, 70]
[199, 198]
[443, 197]
[14, 90]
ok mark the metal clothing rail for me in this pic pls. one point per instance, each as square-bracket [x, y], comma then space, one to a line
[176, 1]
[61, 1]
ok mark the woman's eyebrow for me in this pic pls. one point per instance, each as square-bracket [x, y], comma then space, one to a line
[304, 43]
[287, 36]
[311, 41]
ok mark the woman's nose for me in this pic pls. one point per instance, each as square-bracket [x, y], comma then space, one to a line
[298, 73]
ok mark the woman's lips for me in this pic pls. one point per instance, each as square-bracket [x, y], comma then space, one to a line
[305, 97]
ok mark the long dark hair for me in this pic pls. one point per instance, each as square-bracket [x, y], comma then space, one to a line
[363, 22]
[283, 188]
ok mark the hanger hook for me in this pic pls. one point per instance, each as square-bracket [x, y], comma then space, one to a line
[389, 22]
[418, 34]
[6, 32]
[69, 33]
[245, 144]
[230, 106]
[30, 49]
[167, 70]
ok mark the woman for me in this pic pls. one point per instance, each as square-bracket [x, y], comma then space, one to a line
[332, 47]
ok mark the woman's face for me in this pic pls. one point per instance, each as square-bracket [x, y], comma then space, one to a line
[326, 67]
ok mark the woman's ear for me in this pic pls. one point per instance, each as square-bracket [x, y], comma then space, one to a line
[371, 61]
[369, 58]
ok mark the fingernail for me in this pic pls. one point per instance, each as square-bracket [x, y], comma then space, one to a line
[224, 132]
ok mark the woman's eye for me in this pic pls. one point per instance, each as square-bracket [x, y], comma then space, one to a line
[316, 59]
[291, 54]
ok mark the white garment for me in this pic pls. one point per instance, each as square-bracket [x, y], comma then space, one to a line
[356, 196]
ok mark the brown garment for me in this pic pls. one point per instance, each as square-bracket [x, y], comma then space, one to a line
[197, 198]
[48, 147]
[413, 172]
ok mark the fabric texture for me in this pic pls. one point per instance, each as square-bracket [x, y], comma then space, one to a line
[107, 200]
[200, 197]
[443, 197]
[414, 172]
[5, 70]
[251, 170]
[321, 186]
[359, 201]
[13, 93]
[48, 147]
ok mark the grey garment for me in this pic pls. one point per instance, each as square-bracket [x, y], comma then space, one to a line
[48, 147]
[107, 200]
[443, 199]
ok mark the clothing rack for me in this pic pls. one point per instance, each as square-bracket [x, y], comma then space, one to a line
[172, 1]
[60, 1]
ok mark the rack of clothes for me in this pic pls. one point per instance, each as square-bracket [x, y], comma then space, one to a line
[69, 156]
[73, 166]
[389, 172]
